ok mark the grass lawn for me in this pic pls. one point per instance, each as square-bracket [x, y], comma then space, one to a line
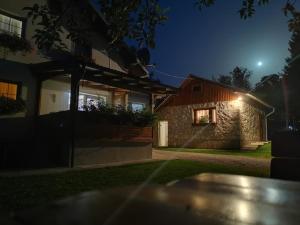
[262, 152]
[27, 191]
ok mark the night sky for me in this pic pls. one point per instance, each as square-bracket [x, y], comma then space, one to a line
[216, 40]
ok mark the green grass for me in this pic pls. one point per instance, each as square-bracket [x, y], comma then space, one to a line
[27, 191]
[262, 152]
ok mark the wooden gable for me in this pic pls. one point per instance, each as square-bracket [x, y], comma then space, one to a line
[196, 90]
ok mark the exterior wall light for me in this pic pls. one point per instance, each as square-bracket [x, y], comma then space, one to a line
[238, 102]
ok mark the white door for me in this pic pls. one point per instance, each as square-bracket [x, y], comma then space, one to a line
[163, 133]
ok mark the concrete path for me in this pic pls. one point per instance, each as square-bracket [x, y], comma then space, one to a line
[210, 158]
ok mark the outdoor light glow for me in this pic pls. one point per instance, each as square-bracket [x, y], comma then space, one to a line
[238, 101]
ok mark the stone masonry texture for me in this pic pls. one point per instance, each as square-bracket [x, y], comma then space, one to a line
[238, 124]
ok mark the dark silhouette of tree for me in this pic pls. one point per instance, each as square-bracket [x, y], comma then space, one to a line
[132, 19]
[224, 79]
[292, 69]
[248, 7]
[136, 20]
[270, 90]
[241, 78]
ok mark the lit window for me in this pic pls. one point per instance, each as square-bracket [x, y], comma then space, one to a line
[137, 107]
[205, 116]
[90, 100]
[8, 90]
[11, 25]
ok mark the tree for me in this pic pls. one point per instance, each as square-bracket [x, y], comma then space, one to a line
[224, 79]
[292, 69]
[270, 90]
[248, 7]
[133, 19]
[241, 78]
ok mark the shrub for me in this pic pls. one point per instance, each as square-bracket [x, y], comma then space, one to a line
[11, 106]
[121, 116]
[14, 43]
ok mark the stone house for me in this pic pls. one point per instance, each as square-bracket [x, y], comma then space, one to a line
[54, 86]
[207, 114]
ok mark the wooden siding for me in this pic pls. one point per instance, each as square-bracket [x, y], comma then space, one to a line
[210, 92]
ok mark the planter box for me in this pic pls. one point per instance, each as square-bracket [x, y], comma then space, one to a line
[286, 144]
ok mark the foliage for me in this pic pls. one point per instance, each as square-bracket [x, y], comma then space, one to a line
[270, 90]
[248, 7]
[14, 43]
[292, 69]
[224, 79]
[133, 19]
[11, 106]
[23, 192]
[204, 119]
[121, 116]
[241, 78]
[51, 19]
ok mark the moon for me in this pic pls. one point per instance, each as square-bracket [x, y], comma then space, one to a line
[259, 63]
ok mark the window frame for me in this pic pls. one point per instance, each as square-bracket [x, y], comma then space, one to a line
[20, 18]
[210, 113]
[19, 86]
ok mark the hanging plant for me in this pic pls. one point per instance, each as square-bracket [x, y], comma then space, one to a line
[14, 43]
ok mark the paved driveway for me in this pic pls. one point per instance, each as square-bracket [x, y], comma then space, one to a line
[209, 158]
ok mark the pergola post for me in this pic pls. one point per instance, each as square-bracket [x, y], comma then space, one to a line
[75, 80]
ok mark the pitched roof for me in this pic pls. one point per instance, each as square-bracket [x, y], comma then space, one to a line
[238, 91]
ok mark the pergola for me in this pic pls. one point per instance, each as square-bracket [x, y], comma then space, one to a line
[78, 71]
[98, 74]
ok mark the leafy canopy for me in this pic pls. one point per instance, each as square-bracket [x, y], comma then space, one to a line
[239, 77]
[133, 19]
[248, 7]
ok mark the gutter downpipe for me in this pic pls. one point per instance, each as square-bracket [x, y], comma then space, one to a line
[266, 121]
[266, 116]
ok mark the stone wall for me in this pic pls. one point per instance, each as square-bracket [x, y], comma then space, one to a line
[183, 133]
[252, 122]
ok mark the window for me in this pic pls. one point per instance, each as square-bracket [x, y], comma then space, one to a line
[11, 25]
[205, 116]
[89, 100]
[9, 90]
[137, 106]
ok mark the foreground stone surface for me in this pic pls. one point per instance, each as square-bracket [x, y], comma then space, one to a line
[204, 199]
